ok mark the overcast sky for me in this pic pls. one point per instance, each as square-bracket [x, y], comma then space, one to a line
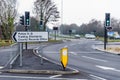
[79, 11]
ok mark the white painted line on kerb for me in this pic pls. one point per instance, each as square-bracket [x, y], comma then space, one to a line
[97, 77]
[55, 76]
[73, 53]
[94, 59]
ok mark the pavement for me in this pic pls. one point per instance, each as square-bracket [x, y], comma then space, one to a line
[111, 47]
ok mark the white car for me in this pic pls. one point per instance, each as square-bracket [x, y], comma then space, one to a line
[90, 36]
[77, 36]
[117, 37]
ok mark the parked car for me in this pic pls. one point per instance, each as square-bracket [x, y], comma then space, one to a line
[90, 36]
[117, 37]
[77, 36]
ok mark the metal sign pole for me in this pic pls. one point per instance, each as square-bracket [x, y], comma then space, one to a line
[26, 42]
[55, 35]
[105, 37]
[20, 54]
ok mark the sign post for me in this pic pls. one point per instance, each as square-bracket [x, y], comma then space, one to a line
[20, 54]
[22, 36]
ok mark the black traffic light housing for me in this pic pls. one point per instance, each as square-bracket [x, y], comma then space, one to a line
[107, 20]
[22, 20]
[27, 18]
[55, 28]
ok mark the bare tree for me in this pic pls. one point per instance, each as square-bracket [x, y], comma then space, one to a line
[7, 17]
[46, 10]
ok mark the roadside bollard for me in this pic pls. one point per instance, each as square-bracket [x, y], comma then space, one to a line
[64, 57]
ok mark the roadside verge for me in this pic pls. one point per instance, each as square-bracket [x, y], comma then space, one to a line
[114, 49]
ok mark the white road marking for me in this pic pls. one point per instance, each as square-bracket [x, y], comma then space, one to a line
[65, 46]
[26, 77]
[85, 52]
[97, 77]
[94, 59]
[73, 53]
[1, 67]
[104, 67]
[108, 68]
[55, 76]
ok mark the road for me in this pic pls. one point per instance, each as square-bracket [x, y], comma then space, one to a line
[5, 54]
[97, 64]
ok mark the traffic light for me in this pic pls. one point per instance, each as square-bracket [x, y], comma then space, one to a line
[27, 18]
[22, 20]
[107, 20]
[55, 28]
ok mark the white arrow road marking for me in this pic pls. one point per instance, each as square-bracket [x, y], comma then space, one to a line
[97, 77]
[73, 53]
[107, 68]
[94, 59]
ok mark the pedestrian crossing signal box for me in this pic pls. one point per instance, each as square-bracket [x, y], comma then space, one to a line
[64, 57]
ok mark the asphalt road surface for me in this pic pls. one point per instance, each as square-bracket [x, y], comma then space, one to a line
[5, 54]
[97, 64]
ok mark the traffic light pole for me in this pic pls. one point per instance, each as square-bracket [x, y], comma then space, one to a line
[105, 37]
[106, 26]
[55, 35]
[26, 42]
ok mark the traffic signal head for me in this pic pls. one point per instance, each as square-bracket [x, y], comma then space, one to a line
[107, 20]
[27, 18]
[55, 28]
[22, 20]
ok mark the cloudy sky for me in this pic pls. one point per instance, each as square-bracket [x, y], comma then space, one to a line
[79, 11]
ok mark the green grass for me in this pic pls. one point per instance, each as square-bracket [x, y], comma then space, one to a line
[109, 40]
[5, 42]
[49, 41]
[9, 42]
[52, 41]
